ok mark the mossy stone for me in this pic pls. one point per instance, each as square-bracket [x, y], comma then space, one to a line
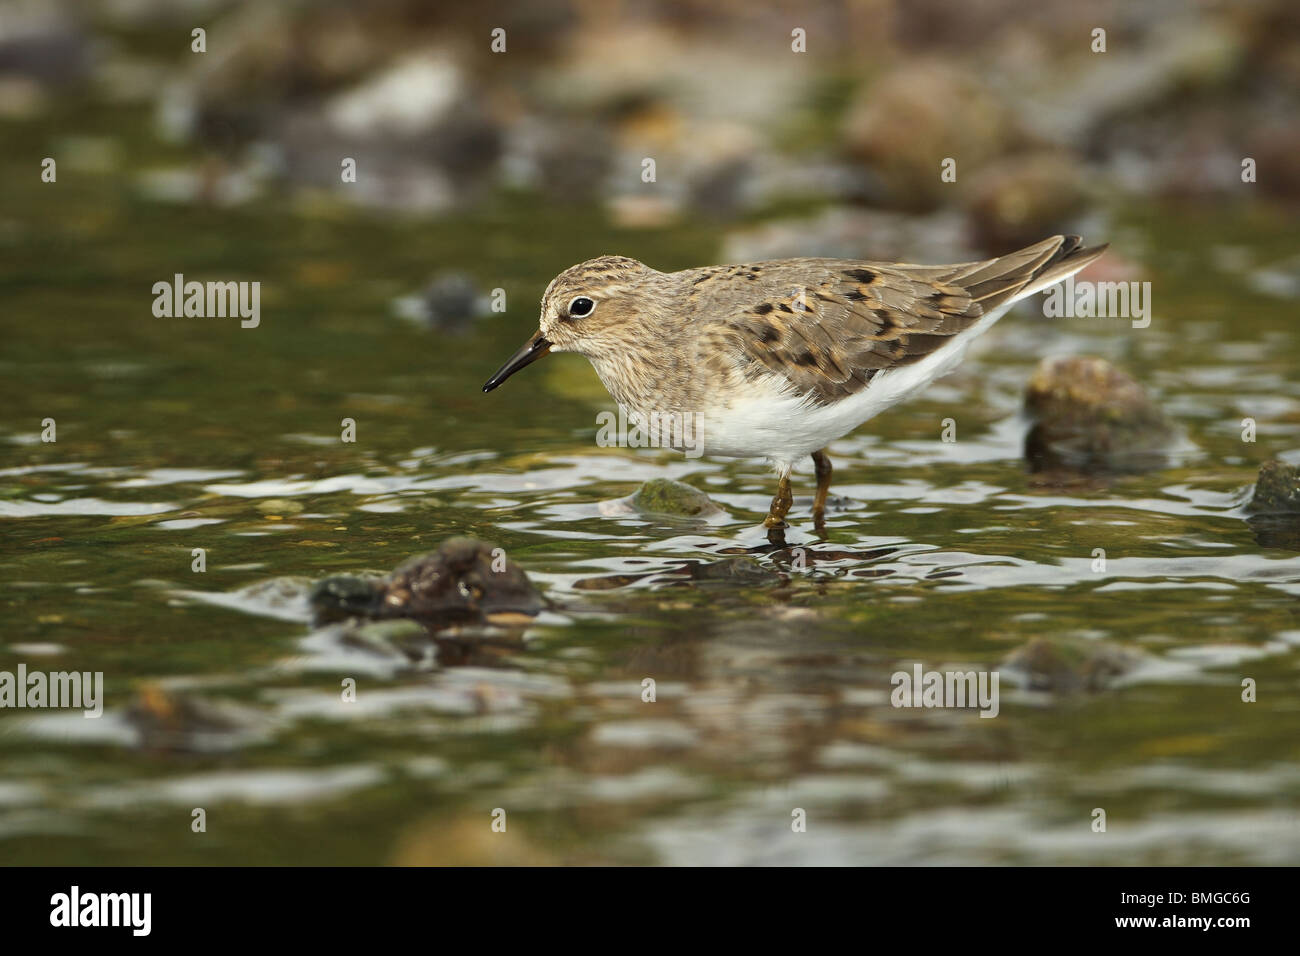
[664, 497]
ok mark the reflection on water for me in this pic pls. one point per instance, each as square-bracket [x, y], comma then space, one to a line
[771, 666]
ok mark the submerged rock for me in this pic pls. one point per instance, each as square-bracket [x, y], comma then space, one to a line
[664, 497]
[742, 571]
[1281, 531]
[342, 596]
[464, 581]
[735, 570]
[1065, 666]
[1278, 489]
[1090, 416]
[1275, 507]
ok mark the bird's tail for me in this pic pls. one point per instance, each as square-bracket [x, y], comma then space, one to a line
[1006, 279]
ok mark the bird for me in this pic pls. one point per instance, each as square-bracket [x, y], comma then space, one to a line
[776, 359]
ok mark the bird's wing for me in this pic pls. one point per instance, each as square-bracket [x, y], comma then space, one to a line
[827, 326]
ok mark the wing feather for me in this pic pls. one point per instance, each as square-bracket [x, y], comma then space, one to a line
[828, 326]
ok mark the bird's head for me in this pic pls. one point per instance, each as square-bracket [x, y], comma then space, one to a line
[593, 308]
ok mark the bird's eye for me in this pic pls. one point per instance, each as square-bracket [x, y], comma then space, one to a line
[581, 306]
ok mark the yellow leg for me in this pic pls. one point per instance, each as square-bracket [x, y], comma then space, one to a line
[822, 467]
[780, 504]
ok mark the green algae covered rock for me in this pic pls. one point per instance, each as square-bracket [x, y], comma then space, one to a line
[663, 497]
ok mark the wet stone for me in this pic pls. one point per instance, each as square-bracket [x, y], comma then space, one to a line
[1090, 416]
[1275, 507]
[1066, 666]
[663, 497]
[464, 581]
[737, 570]
[342, 596]
[1277, 491]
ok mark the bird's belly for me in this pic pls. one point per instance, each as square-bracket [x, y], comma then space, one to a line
[770, 421]
[782, 427]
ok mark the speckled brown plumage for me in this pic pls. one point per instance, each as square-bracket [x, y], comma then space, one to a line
[758, 348]
[829, 325]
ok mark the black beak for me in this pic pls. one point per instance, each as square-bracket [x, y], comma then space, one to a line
[531, 351]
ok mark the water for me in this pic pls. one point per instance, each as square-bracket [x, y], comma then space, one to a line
[772, 693]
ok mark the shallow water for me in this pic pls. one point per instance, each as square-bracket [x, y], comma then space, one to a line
[772, 693]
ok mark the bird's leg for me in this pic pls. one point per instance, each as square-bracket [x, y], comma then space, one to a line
[780, 504]
[822, 467]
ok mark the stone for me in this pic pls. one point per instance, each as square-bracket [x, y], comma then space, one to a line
[1277, 491]
[1091, 417]
[664, 497]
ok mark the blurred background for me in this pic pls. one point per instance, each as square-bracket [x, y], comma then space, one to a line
[479, 171]
[849, 133]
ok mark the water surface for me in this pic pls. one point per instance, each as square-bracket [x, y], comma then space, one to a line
[772, 692]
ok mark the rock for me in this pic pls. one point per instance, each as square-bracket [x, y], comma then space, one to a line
[464, 582]
[661, 496]
[1089, 416]
[310, 91]
[904, 125]
[45, 50]
[1278, 489]
[679, 80]
[423, 138]
[1091, 101]
[735, 570]
[450, 303]
[1065, 666]
[413, 95]
[343, 596]
[704, 169]
[1018, 200]
[667, 95]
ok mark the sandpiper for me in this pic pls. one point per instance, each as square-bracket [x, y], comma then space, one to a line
[777, 359]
